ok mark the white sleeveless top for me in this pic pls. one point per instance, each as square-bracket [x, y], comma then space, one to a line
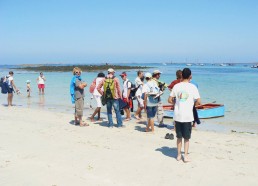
[41, 80]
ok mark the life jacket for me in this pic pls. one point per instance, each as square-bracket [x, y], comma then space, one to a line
[109, 87]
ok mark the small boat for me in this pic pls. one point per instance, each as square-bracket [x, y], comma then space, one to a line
[188, 64]
[254, 66]
[209, 110]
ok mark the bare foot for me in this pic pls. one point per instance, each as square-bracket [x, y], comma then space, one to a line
[137, 117]
[179, 157]
[84, 124]
[91, 119]
[186, 159]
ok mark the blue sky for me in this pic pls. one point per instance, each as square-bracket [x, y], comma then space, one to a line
[55, 31]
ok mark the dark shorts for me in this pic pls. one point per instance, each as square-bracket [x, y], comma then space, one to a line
[183, 129]
[151, 112]
[10, 90]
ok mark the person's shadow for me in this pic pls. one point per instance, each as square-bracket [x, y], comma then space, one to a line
[170, 152]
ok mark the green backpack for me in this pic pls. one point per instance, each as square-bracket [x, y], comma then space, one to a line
[109, 88]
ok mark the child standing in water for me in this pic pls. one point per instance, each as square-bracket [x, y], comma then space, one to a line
[28, 88]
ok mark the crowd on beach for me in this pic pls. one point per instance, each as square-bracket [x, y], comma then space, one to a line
[146, 89]
[184, 96]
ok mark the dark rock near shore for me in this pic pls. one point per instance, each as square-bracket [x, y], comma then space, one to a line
[85, 68]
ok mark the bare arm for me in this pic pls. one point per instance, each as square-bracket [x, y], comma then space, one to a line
[198, 102]
[13, 85]
[82, 85]
[100, 86]
[171, 100]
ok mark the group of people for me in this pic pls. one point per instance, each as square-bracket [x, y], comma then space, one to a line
[106, 90]
[8, 86]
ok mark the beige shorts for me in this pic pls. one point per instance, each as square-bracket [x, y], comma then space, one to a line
[79, 105]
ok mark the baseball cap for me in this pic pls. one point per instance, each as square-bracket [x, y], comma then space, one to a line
[148, 75]
[123, 74]
[156, 72]
[28, 81]
[111, 70]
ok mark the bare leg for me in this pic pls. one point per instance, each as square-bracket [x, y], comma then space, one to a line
[75, 119]
[148, 125]
[97, 110]
[152, 124]
[179, 146]
[186, 148]
[128, 115]
[43, 91]
[99, 113]
[10, 99]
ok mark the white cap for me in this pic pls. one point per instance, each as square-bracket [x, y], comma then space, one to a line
[111, 70]
[156, 72]
[28, 81]
[147, 74]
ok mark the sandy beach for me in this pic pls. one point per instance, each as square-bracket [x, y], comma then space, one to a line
[39, 147]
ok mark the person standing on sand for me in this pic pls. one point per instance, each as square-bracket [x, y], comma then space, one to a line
[77, 91]
[150, 90]
[41, 83]
[139, 84]
[97, 96]
[160, 112]
[11, 87]
[111, 93]
[182, 97]
[126, 95]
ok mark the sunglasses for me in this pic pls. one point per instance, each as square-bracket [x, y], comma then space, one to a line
[77, 72]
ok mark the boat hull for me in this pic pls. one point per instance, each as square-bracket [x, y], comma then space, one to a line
[205, 111]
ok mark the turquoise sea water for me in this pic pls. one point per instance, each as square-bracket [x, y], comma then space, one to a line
[235, 86]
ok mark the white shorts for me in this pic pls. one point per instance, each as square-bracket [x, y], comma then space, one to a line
[140, 101]
[98, 100]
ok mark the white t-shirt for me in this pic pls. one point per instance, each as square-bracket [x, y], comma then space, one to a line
[185, 94]
[41, 80]
[10, 79]
[151, 88]
[127, 85]
[98, 80]
[139, 84]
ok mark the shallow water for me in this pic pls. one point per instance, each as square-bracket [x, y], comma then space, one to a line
[234, 86]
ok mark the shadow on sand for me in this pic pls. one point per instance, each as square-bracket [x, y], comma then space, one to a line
[170, 152]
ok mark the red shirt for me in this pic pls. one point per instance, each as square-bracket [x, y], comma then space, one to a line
[172, 84]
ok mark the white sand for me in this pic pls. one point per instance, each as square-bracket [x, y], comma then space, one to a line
[41, 148]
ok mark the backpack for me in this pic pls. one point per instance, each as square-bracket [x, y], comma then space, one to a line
[109, 88]
[133, 90]
[4, 85]
[93, 86]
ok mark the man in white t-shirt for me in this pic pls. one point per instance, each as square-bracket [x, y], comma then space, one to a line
[139, 84]
[126, 95]
[183, 96]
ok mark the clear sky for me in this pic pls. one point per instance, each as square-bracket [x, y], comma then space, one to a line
[83, 31]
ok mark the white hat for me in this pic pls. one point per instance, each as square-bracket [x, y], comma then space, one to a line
[111, 70]
[148, 75]
[156, 72]
[28, 81]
